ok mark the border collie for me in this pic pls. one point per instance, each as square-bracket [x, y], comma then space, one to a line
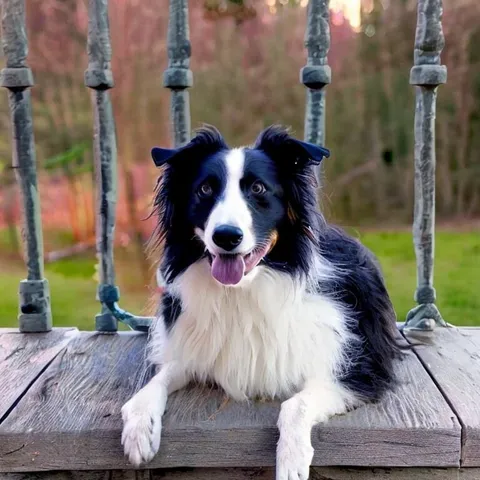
[262, 296]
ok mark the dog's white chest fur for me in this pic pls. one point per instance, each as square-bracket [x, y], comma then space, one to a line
[261, 339]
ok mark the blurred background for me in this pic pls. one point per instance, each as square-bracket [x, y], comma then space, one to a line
[246, 58]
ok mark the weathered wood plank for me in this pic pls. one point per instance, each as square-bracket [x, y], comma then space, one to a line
[316, 473]
[71, 419]
[321, 473]
[81, 475]
[453, 360]
[23, 357]
[412, 426]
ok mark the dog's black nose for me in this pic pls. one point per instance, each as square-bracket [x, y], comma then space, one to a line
[227, 237]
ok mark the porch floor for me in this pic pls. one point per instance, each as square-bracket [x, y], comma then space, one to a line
[61, 394]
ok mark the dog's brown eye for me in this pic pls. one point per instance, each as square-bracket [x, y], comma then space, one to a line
[258, 188]
[205, 190]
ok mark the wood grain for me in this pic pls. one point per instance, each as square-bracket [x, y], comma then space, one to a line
[316, 473]
[453, 360]
[70, 419]
[80, 475]
[23, 357]
[322, 473]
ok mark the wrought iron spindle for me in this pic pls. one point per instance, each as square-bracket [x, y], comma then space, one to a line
[178, 77]
[99, 78]
[35, 313]
[427, 74]
[317, 73]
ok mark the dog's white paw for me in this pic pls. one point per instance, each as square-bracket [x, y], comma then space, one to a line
[294, 457]
[142, 427]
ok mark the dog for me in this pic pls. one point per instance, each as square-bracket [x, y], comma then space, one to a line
[262, 296]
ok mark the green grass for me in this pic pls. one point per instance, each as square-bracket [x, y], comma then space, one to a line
[457, 280]
[72, 291]
[456, 274]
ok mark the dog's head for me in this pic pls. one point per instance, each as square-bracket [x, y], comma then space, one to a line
[238, 207]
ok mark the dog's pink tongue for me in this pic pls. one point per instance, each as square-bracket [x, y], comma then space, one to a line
[228, 269]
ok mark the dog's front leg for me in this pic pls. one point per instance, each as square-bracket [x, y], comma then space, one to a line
[318, 401]
[142, 414]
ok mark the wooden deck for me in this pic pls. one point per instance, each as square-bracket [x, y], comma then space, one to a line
[61, 394]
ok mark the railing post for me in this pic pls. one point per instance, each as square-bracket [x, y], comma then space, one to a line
[427, 74]
[178, 77]
[317, 73]
[99, 78]
[35, 313]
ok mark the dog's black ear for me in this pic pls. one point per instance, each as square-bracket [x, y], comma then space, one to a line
[207, 140]
[278, 143]
[315, 153]
[162, 155]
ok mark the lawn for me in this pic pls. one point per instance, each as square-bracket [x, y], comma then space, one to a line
[457, 280]
[73, 290]
[456, 274]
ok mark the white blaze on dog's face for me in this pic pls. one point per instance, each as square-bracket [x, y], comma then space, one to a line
[239, 229]
[229, 227]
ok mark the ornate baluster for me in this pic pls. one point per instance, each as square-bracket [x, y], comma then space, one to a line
[99, 78]
[427, 74]
[35, 314]
[178, 76]
[316, 74]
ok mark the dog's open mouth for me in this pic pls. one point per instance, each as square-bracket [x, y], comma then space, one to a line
[229, 269]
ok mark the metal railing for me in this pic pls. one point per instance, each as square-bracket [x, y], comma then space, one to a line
[426, 75]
